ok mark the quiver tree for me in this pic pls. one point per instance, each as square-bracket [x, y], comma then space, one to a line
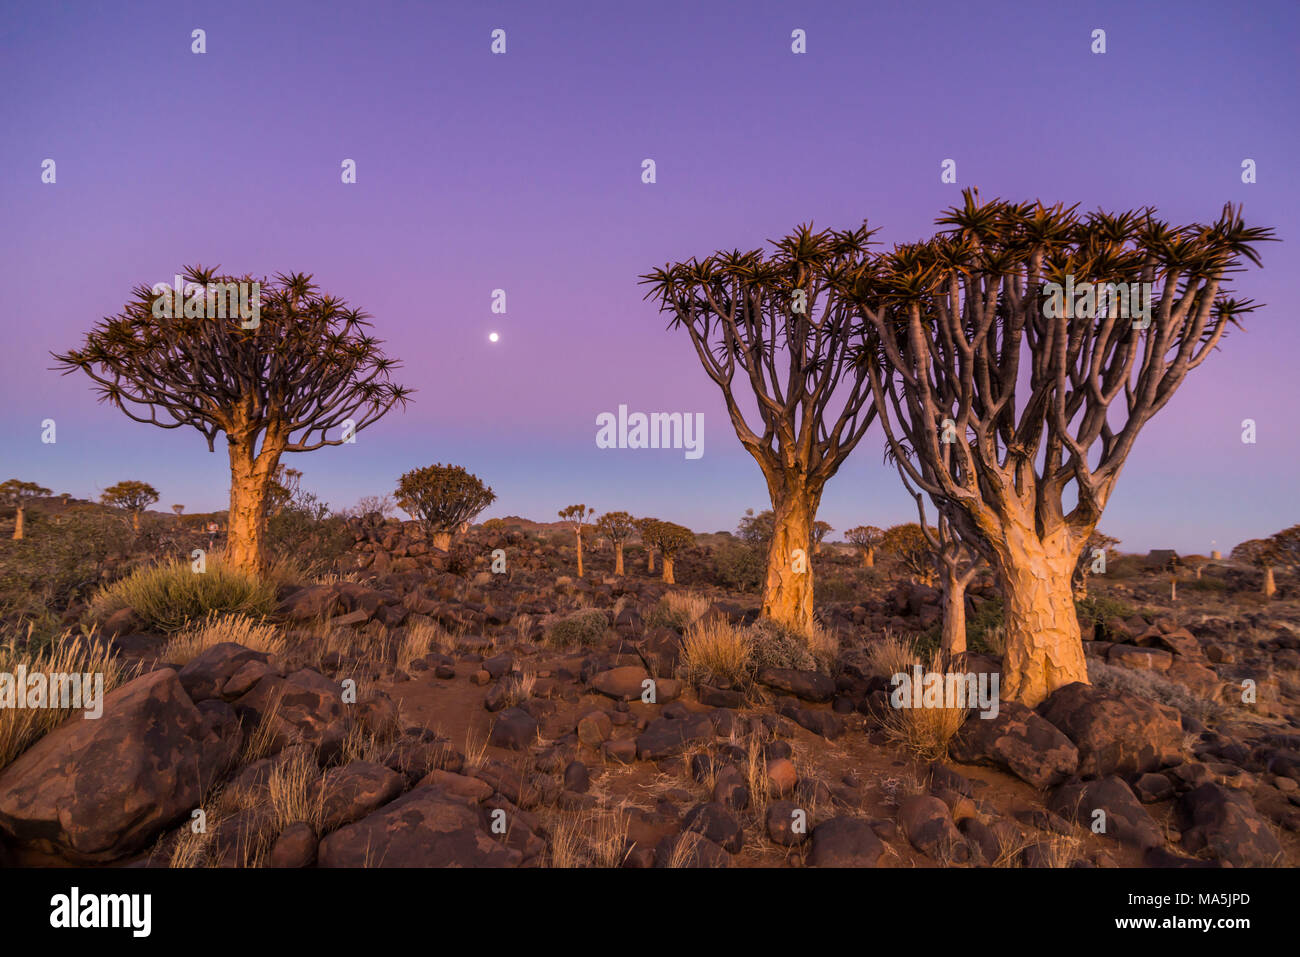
[15, 495]
[1091, 559]
[1197, 563]
[286, 486]
[178, 509]
[301, 375]
[669, 539]
[1022, 380]
[908, 545]
[757, 529]
[866, 538]
[780, 320]
[1280, 549]
[576, 516]
[444, 497]
[130, 496]
[819, 532]
[618, 528]
[956, 563]
[643, 526]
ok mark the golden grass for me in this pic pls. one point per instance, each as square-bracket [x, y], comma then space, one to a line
[20, 728]
[927, 732]
[716, 650]
[194, 639]
[171, 594]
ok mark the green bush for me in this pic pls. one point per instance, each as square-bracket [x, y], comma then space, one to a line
[739, 567]
[1096, 609]
[582, 628]
[170, 594]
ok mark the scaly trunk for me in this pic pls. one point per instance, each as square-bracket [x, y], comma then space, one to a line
[1270, 588]
[953, 641]
[1044, 646]
[249, 484]
[442, 540]
[579, 554]
[788, 590]
[668, 571]
[18, 522]
[869, 558]
[618, 558]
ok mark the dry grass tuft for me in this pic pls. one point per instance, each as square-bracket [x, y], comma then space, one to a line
[197, 638]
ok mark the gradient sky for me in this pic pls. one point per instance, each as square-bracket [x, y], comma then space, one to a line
[522, 172]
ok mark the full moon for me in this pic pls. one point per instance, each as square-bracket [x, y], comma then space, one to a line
[493, 337]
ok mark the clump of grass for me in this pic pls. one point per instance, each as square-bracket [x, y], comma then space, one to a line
[678, 610]
[583, 628]
[194, 639]
[717, 652]
[20, 728]
[420, 639]
[891, 654]
[595, 838]
[295, 793]
[926, 732]
[170, 595]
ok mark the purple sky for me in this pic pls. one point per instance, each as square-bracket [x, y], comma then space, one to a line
[522, 172]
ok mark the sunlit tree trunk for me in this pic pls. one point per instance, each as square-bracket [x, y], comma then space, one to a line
[668, 571]
[579, 554]
[1044, 644]
[250, 481]
[869, 558]
[1270, 587]
[788, 589]
[953, 640]
[18, 522]
[650, 559]
[618, 558]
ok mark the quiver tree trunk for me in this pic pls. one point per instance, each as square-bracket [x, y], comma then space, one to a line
[953, 640]
[650, 558]
[1044, 645]
[618, 558]
[788, 589]
[18, 522]
[668, 570]
[579, 554]
[1270, 587]
[869, 558]
[250, 478]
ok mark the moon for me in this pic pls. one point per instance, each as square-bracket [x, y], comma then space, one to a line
[493, 337]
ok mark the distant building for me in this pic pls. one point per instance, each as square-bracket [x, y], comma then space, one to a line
[1162, 559]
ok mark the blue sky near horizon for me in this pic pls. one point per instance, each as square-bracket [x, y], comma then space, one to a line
[522, 172]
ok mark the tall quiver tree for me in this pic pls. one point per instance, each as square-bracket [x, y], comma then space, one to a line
[298, 374]
[1022, 378]
[445, 497]
[15, 494]
[618, 528]
[643, 526]
[577, 517]
[780, 320]
[131, 497]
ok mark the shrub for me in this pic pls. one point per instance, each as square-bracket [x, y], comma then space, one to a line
[197, 638]
[774, 646]
[1096, 609]
[890, 654]
[583, 628]
[170, 595]
[739, 567]
[1154, 687]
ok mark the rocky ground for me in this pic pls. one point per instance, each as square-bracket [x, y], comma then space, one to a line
[477, 737]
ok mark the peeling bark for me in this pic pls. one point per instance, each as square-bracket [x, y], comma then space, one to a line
[787, 592]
